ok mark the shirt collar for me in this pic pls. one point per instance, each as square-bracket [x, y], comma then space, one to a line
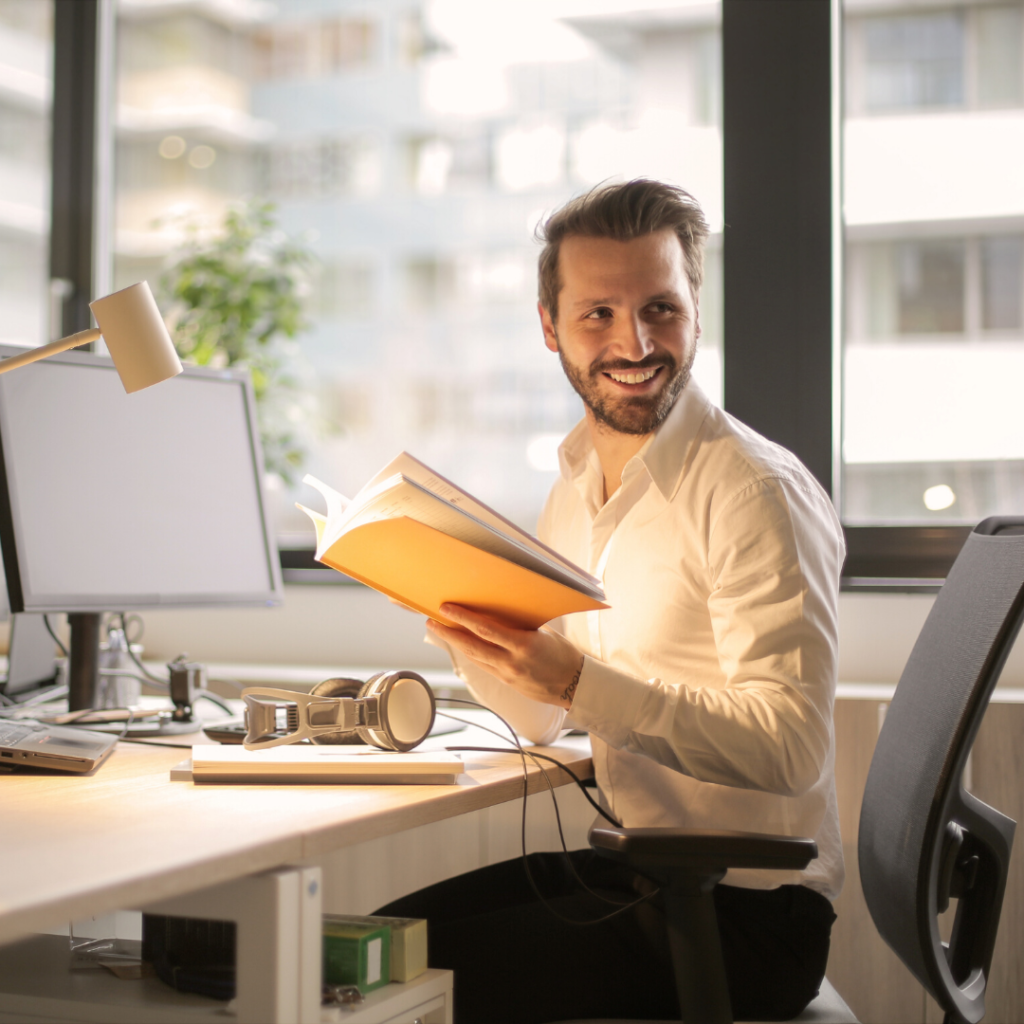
[663, 457]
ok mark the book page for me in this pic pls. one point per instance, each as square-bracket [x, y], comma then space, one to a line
[411, 467]
[336, 502]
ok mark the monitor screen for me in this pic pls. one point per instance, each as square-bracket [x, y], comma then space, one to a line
[111, 501]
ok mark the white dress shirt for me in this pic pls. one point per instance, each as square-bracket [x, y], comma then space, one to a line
[707, 686]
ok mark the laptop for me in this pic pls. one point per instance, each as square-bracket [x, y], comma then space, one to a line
[33, 744]
[30, 660]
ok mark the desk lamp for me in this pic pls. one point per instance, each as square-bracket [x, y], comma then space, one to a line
[136, 338]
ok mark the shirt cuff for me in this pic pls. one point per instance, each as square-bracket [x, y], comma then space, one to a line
[607, 702]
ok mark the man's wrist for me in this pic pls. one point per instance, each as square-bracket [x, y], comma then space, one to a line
[570, 691]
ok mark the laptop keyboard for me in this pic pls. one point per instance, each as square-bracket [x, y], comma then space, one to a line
[11, 734]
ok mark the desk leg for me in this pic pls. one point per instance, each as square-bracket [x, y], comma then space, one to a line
[278, 957]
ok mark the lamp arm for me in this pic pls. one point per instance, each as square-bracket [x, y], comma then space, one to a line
[35, 354]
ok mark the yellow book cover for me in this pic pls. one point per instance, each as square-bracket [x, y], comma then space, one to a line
[416, 537]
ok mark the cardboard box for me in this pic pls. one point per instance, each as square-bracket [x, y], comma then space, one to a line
[408, 942]
[356, 951]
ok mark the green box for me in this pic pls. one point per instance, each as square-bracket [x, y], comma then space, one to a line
[357, 951]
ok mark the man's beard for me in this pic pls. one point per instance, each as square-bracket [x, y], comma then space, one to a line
[638, 415]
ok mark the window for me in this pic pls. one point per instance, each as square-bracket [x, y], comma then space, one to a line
[933, 346]
[1002, 283]
[914, 61]
[957, 288]
[318, 168]
[26, 85]
[317, 49]
[969, 56]
[417, 329]
[414, 148]
[344, 290]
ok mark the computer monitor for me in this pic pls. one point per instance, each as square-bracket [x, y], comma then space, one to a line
[116, 502]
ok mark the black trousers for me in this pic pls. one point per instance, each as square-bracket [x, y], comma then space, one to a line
[516, 962]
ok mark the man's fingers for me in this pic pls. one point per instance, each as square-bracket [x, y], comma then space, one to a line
[469, 643]
[484, 626]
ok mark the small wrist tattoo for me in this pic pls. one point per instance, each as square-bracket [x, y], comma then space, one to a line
[570, 691]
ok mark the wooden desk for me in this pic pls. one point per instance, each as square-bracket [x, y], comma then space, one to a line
[126, 837]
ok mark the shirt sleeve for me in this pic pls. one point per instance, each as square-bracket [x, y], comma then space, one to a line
[774, 557]
[541, 724]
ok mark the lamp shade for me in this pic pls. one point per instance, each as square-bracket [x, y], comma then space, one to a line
[136, 337]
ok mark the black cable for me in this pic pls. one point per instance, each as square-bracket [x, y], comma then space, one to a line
[134, 617]
[558, 822]
[155, 680]
[86, 712]
[558, 817]
[163, 684]
[127, 725]
[214, 699]
[56, 639]
[544, 757]
[621, 908]
[145, 741]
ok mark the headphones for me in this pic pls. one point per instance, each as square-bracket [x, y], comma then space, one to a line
[393, 710]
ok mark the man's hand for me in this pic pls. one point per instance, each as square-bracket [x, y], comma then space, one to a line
[541, 665]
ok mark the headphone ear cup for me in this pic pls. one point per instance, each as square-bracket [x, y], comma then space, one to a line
[406, 710]
[339, 687]
[373, 737]
[365, 689]
[410, 710]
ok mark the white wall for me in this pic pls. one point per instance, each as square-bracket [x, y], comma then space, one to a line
[316, 625]
[353, 626]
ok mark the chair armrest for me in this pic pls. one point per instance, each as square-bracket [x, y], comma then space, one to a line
[696, 850]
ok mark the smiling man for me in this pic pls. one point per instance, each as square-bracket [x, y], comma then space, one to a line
[706, 687]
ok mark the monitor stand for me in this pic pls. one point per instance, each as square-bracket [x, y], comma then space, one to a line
[84, 676]
[83, 660]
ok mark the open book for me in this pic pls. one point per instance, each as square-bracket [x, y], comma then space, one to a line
[416, 537]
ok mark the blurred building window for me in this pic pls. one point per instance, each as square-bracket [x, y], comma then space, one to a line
[930, 287]
[968, 287]
[343, 290]
[319, 49]
[1000, 61]
[933, 348]
[430, 283]
[914, 60]
[26, 88]
[967, 56]
[319, 168]
[1002, 279]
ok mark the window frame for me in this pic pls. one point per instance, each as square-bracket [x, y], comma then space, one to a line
[782, 120]
[782, 261]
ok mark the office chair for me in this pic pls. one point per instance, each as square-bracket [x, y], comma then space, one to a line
[923, 839]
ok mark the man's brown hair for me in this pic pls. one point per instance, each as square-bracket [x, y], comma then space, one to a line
[623, 211]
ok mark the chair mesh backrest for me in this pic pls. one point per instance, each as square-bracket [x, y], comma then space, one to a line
[914, 785]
